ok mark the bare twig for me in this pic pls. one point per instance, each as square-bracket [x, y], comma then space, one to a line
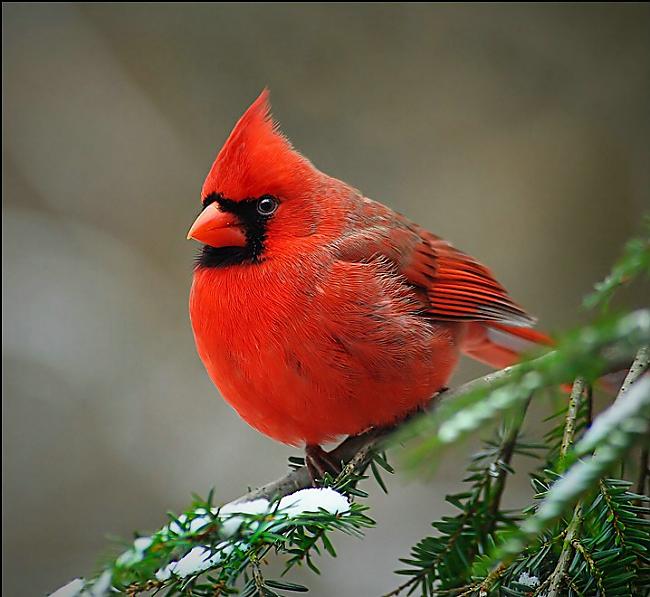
[506, 451]
[572, 414]
[637, 369]
[595, 572]
[557, 577]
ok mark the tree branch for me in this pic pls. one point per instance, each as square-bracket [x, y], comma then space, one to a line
[637, 369]
[573, 529]
[507, 450]
[563, 562]
[575, 402]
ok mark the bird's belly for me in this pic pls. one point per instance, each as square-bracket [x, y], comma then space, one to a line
[313, 400]
[306, 386]
[311, 368]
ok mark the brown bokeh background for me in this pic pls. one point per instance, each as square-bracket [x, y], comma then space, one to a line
[519, 132]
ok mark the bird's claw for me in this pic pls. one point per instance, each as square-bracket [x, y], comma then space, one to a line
[319, 463]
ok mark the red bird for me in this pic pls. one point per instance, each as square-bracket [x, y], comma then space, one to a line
[320, 313]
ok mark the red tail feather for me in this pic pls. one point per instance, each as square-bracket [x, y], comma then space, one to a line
[501, 345]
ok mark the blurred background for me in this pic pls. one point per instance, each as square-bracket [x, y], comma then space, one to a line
[519, 132]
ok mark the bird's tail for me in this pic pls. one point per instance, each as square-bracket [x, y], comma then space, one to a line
[499, 345]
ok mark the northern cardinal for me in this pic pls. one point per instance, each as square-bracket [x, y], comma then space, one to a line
[320, 313]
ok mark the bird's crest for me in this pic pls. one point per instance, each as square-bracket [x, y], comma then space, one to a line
[257, 159]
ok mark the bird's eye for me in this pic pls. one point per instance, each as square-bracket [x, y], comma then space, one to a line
[266, 205]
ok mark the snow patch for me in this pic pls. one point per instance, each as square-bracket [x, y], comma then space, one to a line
[197, 560]
[229, 513]
[314, 499]
[528, 580]
[72, 589]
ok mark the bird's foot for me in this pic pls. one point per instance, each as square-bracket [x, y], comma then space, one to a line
[426, 406]
[319, 462]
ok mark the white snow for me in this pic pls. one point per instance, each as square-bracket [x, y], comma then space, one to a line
[313, 499]
[198, 523]
[175, 527]
[102, 585]
[232, 514]
[72, 589]
[136, 553]
[259, 506]
[528, 580]
[165, 573]
[196, 560]
[229, 514]
[201, 520]
[75, 588]
[141, 544]
[201, 558]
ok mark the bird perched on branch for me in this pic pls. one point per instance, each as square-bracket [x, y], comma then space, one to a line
[319, 313]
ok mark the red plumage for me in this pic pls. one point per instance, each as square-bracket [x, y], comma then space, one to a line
[334, 313]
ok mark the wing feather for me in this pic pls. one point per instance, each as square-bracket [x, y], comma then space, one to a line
[457, 286]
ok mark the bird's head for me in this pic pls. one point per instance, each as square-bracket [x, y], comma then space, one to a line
[258, 193]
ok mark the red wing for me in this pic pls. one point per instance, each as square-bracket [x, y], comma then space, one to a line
[458, 287]
[461, 288]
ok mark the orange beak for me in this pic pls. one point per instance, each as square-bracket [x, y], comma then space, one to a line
[217, 228]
